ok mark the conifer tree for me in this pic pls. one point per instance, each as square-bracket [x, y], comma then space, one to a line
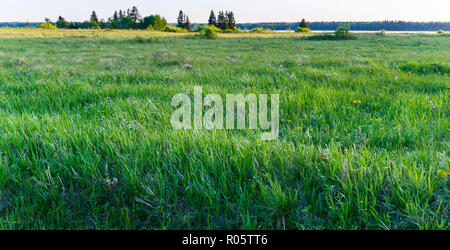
[180, 19]
[212, 19]
[187, 24]
[94, 18]
[221, 20]
[231, 21]
[225, 21]
[303, 24]
[134, 14]
[62, 23]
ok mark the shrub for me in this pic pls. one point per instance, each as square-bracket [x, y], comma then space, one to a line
[212, 27]
[208, 32]
[329, 36]
[231, 31]
[95, 26]
[173, 29]
[139, 39]
[321, 37]
[46, 25]
[441, 32]
[304, 30]
[342, 31]
[382, 32]
[154, 22]
[259, 30]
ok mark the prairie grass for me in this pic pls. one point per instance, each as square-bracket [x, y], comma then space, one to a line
[86, 140]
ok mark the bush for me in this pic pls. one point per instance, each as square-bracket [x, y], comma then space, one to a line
[329, 36]
[174, 29]
[231, 31]
[139, 39]
[441, 32]
[154, 22]
[382, 32]
[259, 30]
[208, 32]
[304, 30]
[95, 26]
[46, 26]
[212, 27]
[342, 31]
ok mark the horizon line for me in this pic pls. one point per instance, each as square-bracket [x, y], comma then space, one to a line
[344, 21]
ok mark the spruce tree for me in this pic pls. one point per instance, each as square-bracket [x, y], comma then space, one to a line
[225, 21]
[94, 18]
[221, 20]
[212, 19]
[231, 20]
[61, 23]
[187, 24]
[134, 14]
[303, 24]
[180, 19]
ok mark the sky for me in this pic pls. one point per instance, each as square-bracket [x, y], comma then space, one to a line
[244, 10]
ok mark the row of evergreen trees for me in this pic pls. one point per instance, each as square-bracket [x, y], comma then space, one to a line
[132, 19]
[225, 20]
[183, 21]
[122, 19]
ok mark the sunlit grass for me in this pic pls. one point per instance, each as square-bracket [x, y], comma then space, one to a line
[86, 141]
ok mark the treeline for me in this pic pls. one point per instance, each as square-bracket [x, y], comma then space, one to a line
[377, 25]
[19, 24]
[132, 19]
[224, 21]
[122, 19]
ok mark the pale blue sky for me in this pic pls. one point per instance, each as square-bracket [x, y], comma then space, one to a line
[245, 10]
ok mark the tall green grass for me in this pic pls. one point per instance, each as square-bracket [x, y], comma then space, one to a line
[86, 140]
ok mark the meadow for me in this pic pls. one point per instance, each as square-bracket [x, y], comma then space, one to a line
[86, 140]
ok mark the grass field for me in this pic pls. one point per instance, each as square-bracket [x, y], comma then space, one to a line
[86, 140]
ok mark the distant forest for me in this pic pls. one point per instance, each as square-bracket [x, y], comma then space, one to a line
[387, 25]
